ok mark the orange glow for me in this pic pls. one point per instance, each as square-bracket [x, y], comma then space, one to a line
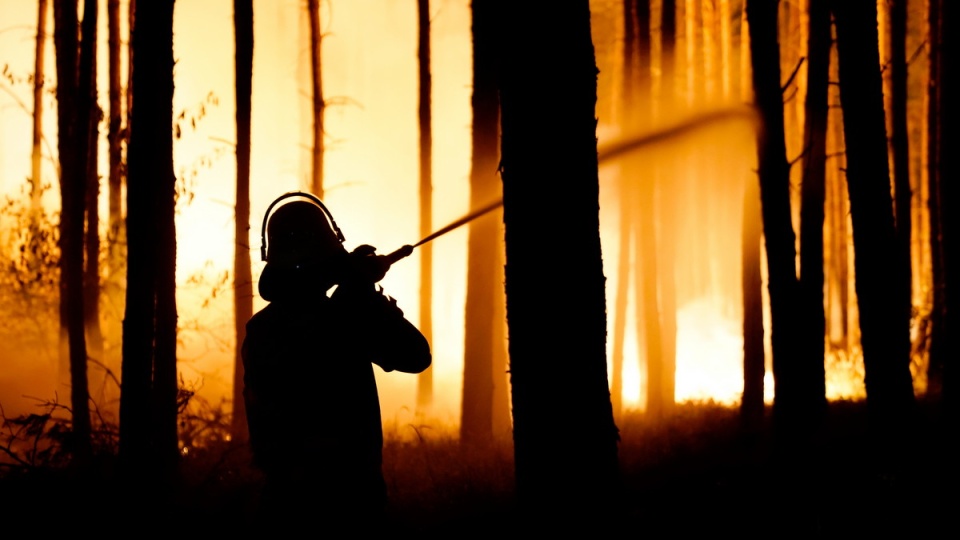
[370, 81]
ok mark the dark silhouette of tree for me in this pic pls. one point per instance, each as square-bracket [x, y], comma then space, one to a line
[148, 405]
[425, 379]
[316, 37]
[484, 355]
[812, 200]
[903, 195]
[937, 311]
[948, 201]
[556, 311]
[774, 173]
[754, 361]
[242, 273]
[884, 324]
[73, 112]
[36, 157]
[91, 272]
[115, 140]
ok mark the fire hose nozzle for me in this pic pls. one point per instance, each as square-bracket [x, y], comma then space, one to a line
[401, 253]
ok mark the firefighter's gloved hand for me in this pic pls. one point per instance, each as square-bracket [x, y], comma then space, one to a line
[366, 266]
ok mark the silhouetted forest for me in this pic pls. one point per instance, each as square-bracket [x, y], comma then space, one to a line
[707, 285]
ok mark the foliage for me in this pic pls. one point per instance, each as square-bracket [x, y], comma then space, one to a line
[29, 276]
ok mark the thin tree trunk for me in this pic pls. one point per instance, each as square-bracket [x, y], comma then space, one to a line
[644, 225]
[36, 156]
[937, 313]
[778, 232]
[316, 37]
[91, 278]
[73, 114]
[813, 196]
[754, 350]
[115, 141]
[243, 276]
[901, 151]
[884, 324]
[482, 340]
[425, 379]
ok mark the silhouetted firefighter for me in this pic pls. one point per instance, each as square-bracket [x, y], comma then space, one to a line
[312, 403]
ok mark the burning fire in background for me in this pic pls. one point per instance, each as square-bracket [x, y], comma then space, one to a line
[370, 82]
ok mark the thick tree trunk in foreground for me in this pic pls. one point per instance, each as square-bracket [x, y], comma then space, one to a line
[148, 406]
[556, 315]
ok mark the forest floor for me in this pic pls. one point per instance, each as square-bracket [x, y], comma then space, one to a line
[695, 473]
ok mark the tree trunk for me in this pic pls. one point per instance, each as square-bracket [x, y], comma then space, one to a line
[36, 156]
[148, 406]
[645, 236]
[778, 232]
[626, 207]
[668, 210]
[484, 270]
[116, 232]
[938, 336]
[115, 235]
[813, 196]
[73, 113]
[903, 206]
[425, 379]
[316, 37]
[557, 316]
[948, 200]
[91, 277]
[884, 324]
[243, 276]
[754, 361]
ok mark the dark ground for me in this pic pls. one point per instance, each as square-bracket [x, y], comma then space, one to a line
[694, 474]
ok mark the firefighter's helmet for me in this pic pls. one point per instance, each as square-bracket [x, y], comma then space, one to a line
[300, 233]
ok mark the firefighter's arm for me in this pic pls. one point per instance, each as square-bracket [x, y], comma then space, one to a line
[391, 341]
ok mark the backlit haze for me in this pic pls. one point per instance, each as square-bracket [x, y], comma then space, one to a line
[371, 177]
